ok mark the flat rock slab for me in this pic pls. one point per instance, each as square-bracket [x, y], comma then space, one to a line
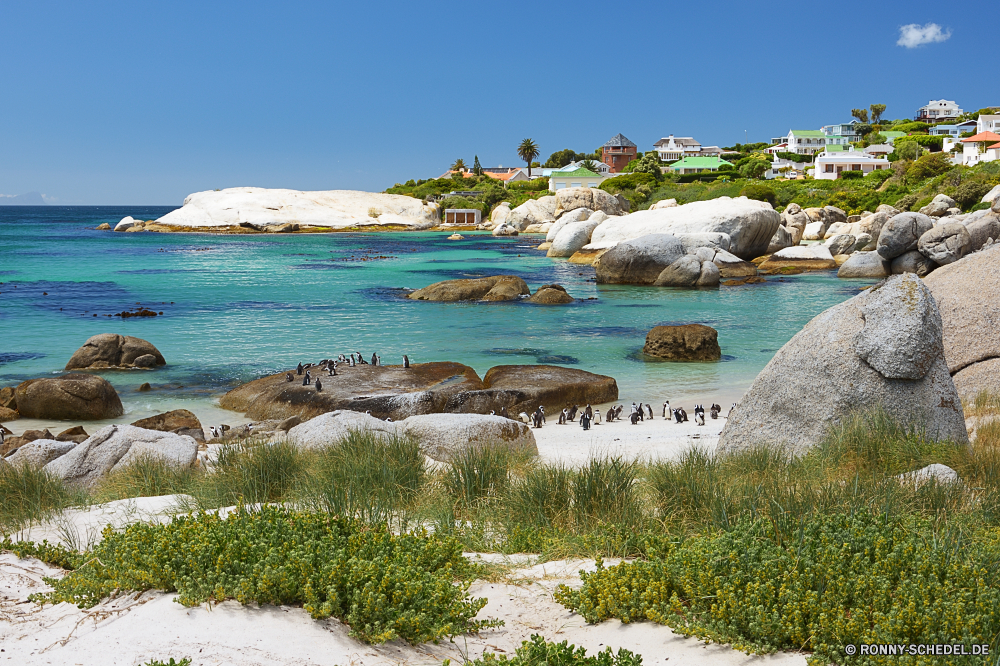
[387, 391]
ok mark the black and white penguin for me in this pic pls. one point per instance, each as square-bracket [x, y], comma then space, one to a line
[331, 369]
[589, 411]
[288, 377]
[585, 421]
[597, 417]
[572, 413]
[352, 360]
[649, 410]
[731, 410]
[562, 416]
[374, 358]
[667, 412]
[699, 418]
[541, 410]
[634, 417]
[684, 415]
[298, 370]
[307, 380]
[611, 415]
[504, 413]
[406, 361]
[319, 385]
[677, 415]
[618, 411]
[715, 411]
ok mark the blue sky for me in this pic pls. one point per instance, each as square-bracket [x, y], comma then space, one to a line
[143, 103]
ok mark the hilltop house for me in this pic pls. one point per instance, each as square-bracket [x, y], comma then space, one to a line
[503, 174]
[979, 148]
[841, 134]
[575, 178]
[675, 147]
[954, 130]
[805, 142]
[829, 165]
[987, 123]
[698, 164]
[937, 110]
[618, 152]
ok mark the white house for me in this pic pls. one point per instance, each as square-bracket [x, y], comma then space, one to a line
[988, 124]
[576, 178]
[979, 148]
[678, 147]
[781, 168]
[937, 110]
[805, 142]
[829, 166]
[842, 133]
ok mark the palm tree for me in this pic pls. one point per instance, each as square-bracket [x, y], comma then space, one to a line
[459, 165]
[589, 165]
[528, 151]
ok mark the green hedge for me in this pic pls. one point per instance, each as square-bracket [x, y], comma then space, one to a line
[849, 175]
[933, 143]
[628, 181]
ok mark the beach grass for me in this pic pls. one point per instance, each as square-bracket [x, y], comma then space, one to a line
[30, 495]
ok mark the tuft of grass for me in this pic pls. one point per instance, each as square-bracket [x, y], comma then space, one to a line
[604, 494]
[542, 498]
[479, 475]
[252, 472]
[30, 495]
[148, 476]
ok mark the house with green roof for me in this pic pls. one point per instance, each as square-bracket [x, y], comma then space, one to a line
[698, 164]
[576, 178]
[891, 136]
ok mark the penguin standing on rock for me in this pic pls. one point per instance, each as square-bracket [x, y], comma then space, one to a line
[319, 385]
[731, 410]
[288, 377]
[298, 370]
[352, 360]
[374, 359]
[307, 380]
[406, 361]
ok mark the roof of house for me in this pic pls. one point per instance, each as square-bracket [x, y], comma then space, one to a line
[995, 145]
[576, 173]
[852, 156]
[808, 133]
[879, 148]
[982, 136]
[692, 162]
[619, 141]
[679, 140]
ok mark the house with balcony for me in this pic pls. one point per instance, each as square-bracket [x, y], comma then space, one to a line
[829, 165]
[987, 123]
[618, 152]
[937, 110]
[978, 148]
[842, 134]
[891, 135]
[956, 129]
[806, 142]
[677, 147]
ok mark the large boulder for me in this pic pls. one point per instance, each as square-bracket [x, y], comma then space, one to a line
[337, 425]
[442, 436]
[689, 271]
[475, 289]
[572, 237]
[815, 231]
[750, 224]
[868, 265]
[115, 447]
[532, 212]
[499, 214]
[639, 260]
[881, 348]
[528, 386]
[945, 243]
[388, 391]
[872, 224]
[966, 293]
[504, 229]
[72, 397]
[716, 240]
[912, 262]
[973, 379]
[992, 195]
[939, 206]
[109, 350]
[982, 229]
[782, 238]
[40, 452]
[257, 208]
[731, 266]
[805, 257]
[180, 421]
[902, 233]
[841, 244]
[551, 294]
[571, 198]
[688, 342]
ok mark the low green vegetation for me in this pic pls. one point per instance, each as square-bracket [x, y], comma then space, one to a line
[539, 652]
[488, 191]
[186, 661]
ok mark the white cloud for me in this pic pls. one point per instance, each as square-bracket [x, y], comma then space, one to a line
[914, 35]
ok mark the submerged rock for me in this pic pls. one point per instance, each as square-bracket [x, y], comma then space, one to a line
[109, 350]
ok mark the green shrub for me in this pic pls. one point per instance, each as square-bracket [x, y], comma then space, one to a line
[795, 157]
[534, 185]
[844, 579]
[628, 181]
[539, 652]
[760, 192]
[852, 175]
[186, 661]
[478, 475]
[54, 554]
[932, 143]
[914, 126]
[971, 192]
[905, 202]
[29, 495]
[928, 166]
[604, 494]
[383, 585]
[982, 205]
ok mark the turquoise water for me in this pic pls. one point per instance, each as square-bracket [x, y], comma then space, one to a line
[236, 307]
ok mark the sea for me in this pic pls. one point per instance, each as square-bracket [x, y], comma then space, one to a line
[233, 308]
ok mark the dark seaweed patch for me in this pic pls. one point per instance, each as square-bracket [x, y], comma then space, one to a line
[558, 359]
[14, 357]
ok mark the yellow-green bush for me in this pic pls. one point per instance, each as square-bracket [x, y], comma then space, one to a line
[539, 652]
[382, 585]
[845, 580]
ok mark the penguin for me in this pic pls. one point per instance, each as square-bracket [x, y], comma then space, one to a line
[541, 410]
[388, 420]
[699, 418]
[677, 416]
[307, 380]
[379, 359]
[298, 370]
[211, 431]
[585, 421]
[649, 410]
[319, 385]
[618, 411]
[597, 417]
[504, 413]
[331, 369]
[634, 408]
[634, 418]
[524, 418]
[731, 410]
[667, 412]
[562, 417]
[589, 411]
[684, 415]
[288, 377]
[611, 415]
[224, 428]
[374, 359]
[538, 417]
[352, 360]
[406, 361]
[572, 413]
[715, 411]
[493, 413]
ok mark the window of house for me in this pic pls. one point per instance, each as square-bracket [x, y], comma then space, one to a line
[829, 168]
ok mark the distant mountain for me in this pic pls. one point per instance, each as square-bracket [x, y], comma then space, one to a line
[29, 199]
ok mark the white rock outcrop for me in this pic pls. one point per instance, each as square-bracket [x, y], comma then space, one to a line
[125, 223]
[533, 211]
[750, 224]
[260, 207]
[572, 237]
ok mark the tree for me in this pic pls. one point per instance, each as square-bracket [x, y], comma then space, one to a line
[589, 165]
[459, 165]
[877, 111]
[527, 151]
[860, 114]
[754, 168]
[477, 168]
[863, 129]
[646, 164]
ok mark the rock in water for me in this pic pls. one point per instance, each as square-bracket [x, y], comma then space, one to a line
[442, 436]
[750, 224]
[640, 260]
[258, 207]
[810, 386]
[945, 243]
[572, 238]
[841, 244]
[682, 273]
[116, 446]
[864, 265]
[782, 238]
[902, 233]
[73, 397]
[689, 342]
[109, 350]
[806, 257]
[388, 391]
[551, 294]
[495, 288]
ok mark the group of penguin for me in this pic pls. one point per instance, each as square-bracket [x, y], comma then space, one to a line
[639, 413]
[330, 365]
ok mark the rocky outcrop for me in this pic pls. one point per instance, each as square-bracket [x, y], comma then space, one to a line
[981, 229]
[572, 237]
[689, 271]
[749, 224]
[689, 342]
[782, 238]
[902, 233]
[125, 223]
[945, 243]
[939, 206]
[639, 260]
[40, 452]
[571, 198]
[841, 244]
[881, 348]
[973, 379]
[259, 208]
[912, 262]
[864, 265]
[116, 446]
[505, 230]
[180, 421]
[109, 350]
[388, 391]
[805, 257]
[532, 211]
[551, 294]
[528, 386]
[442, 436]
[494, 288]
[336, 426]
[73, 397]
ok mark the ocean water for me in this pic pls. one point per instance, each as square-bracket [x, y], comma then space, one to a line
[236, 307]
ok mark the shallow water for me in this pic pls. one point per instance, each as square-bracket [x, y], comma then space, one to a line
[236, 307]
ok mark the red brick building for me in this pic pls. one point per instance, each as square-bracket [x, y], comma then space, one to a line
[618, 152]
